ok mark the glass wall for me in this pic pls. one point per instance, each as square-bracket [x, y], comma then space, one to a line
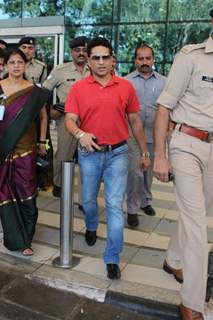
[166, 25]
[29, 8]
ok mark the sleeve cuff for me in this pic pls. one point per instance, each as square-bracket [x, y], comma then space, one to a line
[167, 100]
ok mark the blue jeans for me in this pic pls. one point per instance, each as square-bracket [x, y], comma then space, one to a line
[111, 167]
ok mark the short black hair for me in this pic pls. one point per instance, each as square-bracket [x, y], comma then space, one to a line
[2, 54]
[3, 42]
[79, 42]
[143, 45]
[99, 41]
[13, 52]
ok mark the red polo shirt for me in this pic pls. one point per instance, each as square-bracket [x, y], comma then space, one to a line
[103, 110]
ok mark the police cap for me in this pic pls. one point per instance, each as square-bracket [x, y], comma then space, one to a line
[79, 42]
[3, 42]
[211, 13]
[27, 40]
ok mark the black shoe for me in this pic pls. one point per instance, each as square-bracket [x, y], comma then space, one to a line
[90, 237]
[113, 271]
[177, 273]
[56, 191]
[80, 207]
[149, 210]
[132, 219]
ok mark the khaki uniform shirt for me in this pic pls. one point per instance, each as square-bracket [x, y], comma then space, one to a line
[36, 71]
[63, 77]
[189, 87]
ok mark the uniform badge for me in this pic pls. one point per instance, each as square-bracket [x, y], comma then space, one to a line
[208, 79]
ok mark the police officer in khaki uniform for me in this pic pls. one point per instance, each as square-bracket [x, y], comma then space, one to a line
[188, 101]
[62, 78]
[36, 71]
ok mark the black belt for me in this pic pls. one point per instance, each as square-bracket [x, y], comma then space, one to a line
[110, 147]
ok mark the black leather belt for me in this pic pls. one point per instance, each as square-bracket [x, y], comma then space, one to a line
[110, 147]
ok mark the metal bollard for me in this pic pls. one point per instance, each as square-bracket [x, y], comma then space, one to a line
[65, 260]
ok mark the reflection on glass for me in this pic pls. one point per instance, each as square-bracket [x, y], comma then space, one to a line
[140, 10]
[88, 31]
[42, 8]
[185, 33]
[167, 67]
[88, 11]
[188, 10]
[123, 68]
[45, 50]
[10, 9]
[131, 36]
[124, 22]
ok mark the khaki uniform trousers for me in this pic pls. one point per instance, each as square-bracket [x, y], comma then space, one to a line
[139, 183]
[66, 147]
[192, 161]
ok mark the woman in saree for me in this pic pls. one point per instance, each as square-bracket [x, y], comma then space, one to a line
[23, 102]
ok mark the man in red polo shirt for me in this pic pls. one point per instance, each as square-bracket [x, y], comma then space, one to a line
[104, 104]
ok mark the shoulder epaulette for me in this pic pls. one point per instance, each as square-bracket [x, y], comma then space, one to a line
[63, 65]
[40, 62]
[191, 47]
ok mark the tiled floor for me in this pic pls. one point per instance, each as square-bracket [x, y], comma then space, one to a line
[144, 249]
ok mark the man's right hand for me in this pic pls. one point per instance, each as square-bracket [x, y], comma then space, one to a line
[145, 163]
[88, 142]
[161, 168]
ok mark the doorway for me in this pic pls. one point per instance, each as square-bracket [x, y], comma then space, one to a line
[49, 42]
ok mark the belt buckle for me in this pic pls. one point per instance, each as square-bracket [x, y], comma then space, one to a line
[210, 137]
[103, 148]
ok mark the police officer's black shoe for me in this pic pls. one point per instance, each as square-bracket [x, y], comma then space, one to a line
[132, 219]
[90, 237]
[113, 271]
[149, 210]
[56, 191]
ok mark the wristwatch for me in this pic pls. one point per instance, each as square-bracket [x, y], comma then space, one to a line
[145, 154]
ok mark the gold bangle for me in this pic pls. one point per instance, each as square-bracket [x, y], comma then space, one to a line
[76, 132]
[79, 135]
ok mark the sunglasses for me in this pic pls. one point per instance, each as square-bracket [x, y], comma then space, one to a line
[101, 57]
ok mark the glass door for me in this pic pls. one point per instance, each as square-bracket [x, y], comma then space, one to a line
[49, 42]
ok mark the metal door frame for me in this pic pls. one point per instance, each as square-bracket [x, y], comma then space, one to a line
[15, 34]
